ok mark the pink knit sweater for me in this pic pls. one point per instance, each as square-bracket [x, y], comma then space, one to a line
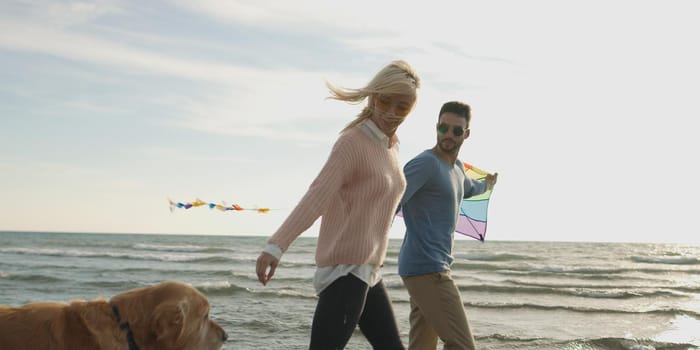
[357, 193]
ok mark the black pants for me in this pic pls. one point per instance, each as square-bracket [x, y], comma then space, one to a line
[348, 302]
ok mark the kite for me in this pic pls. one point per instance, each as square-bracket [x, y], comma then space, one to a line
[472, 212]
[221, 207]
[470, 222]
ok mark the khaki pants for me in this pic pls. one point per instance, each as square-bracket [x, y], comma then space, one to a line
[437, 311]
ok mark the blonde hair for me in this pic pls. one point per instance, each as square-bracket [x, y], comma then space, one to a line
[398, 77]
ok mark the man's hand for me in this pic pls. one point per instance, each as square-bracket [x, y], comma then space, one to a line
[491, 180]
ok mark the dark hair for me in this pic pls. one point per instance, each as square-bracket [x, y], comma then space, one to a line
[459, 108]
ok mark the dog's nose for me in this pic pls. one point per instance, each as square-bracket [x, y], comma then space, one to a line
[225, 336]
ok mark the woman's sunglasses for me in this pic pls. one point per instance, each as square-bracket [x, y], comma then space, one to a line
[384, 102]
[444, 128]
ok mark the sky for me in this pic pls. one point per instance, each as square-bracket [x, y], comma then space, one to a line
[587, 110]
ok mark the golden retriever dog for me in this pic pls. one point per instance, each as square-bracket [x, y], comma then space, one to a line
[166, 316]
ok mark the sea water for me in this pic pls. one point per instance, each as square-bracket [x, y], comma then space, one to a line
[518, 295]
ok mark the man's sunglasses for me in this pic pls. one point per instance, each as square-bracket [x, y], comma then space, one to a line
[456, 130]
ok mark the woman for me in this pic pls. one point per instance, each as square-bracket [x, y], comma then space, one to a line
[356, 193]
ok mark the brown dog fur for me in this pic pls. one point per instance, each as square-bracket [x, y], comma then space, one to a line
[166, 316]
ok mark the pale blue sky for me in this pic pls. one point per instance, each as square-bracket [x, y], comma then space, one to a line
[107, 108]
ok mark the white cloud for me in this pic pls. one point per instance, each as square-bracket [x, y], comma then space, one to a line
[33, 38]
[61, 13]
[278, 109]
[312, 16]
[75, 12]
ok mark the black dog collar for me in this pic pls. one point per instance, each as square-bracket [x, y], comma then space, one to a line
[125, 327]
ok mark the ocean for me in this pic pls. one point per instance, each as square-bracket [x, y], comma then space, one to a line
[518, 295]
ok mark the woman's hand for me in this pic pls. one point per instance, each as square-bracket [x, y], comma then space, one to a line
[265, 267]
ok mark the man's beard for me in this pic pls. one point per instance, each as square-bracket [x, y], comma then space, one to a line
[453, 149]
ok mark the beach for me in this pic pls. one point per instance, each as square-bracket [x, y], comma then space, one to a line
[518, 295]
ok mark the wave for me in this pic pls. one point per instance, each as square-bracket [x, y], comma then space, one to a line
[261, 326]
[676, 260]
[496, 257]
[178, 248]
[226, 288]
[278, 279]
[581, 276]
[670, 311]
[297, 263]
[283, 292]
[215, 259]
[181, 257]
[30, 278]
[664, 311]
[590, 344]
[219, 288]
[507, 341]
[510, 338]
[594, 292]
[589, 272]
[117, 284]
[207, 287]
[645, 289]
[627, 344]
[258, 326]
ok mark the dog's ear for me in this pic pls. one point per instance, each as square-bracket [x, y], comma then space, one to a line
[169, 323]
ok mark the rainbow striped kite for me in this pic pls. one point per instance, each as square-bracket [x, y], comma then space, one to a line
[473, 211]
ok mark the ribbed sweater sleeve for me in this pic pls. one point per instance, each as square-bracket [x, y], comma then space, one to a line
[317, 198]
[356, 193]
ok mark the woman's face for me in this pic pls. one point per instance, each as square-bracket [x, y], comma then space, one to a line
[389, 111]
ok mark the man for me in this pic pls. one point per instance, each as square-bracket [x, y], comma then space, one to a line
[436, 185]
